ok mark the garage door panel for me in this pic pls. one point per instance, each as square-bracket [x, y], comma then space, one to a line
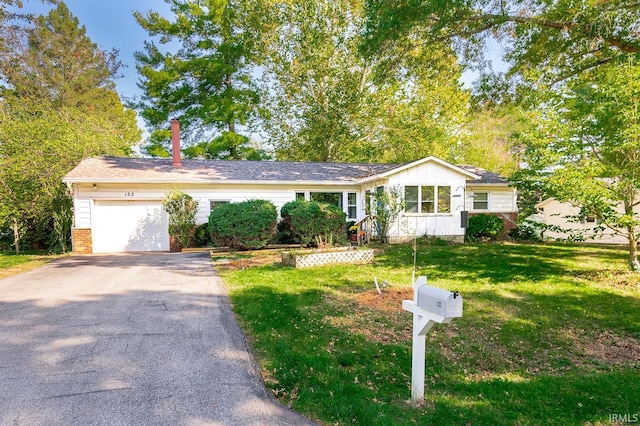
[129, 226]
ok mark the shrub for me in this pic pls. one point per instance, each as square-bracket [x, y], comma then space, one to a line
[182, 209]
[527, 231]
[484, 227]
[309, 219]
[243, 226]
[283, 234]
[201, 236]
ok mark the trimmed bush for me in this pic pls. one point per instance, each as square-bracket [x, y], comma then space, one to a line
[247, 225]
[484, 227]
[308, 219]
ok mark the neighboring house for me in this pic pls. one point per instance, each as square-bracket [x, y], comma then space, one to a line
[118, 201]
[557, 216]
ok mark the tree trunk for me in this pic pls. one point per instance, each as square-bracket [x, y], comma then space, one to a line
[633, 254]
[16, 236]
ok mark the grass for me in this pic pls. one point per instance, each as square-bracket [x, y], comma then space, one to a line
[550, 335]
[12, 264]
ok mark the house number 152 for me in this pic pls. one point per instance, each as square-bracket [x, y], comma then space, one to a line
[128, 194]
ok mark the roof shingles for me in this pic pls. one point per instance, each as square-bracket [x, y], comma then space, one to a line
[119, 169]
[153, 169]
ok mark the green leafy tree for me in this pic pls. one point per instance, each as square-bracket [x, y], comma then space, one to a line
[182, 209]
[586, 149]
[54, 60]
[317, 82]
[57, 106]
[200, 72]
[328, 102]
[490, 139]
[547, 40]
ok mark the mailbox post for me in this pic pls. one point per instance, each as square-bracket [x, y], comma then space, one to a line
[430, 305]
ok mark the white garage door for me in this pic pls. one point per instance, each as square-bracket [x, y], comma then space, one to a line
[129, 226]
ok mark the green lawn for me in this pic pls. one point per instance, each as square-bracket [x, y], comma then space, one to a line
[11, 263]
[550, 335]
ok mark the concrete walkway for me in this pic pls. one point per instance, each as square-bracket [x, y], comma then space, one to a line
[135, 339]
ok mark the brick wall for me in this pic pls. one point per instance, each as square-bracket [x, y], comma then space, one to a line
[174, 245]
[81, 240]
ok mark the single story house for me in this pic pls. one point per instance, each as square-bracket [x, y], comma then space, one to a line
[118, 201]
[558, 217]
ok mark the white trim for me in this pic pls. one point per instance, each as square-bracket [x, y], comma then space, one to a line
[419, 162]
[488, 201]
[214, 181]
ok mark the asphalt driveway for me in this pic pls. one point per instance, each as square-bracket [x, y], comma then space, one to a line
[135, 339]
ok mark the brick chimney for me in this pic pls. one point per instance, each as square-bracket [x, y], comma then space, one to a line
[175, 143]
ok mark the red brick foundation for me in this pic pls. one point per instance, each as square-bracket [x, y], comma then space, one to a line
[81, 240]
[174, 245]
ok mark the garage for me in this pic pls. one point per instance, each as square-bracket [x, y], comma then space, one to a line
[121, 225]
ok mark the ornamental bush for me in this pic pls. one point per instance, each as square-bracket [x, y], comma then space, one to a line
[182, 209]
[484, 227]
[247, 225]
[306, 220]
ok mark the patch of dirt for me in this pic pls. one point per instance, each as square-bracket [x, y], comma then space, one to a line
[389, 300]
[379, 318]
[610, 348]
[246, 262]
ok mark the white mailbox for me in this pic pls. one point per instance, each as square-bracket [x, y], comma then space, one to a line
[430, 305]
[439, 301]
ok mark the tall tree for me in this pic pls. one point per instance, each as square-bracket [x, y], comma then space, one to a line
[546, 40]
[490, 141]
[327, 102]
[56, 61]
[586, 150]
[201, 73]
[57, 106]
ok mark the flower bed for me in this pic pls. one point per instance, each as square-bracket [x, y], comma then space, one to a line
[310, 259]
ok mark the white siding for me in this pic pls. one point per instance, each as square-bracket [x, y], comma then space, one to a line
[82, 212]
[501, 200]
[446, 225]
[555, 213]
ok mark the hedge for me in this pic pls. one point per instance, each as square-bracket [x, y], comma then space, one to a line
[247, 225]
[304, 220]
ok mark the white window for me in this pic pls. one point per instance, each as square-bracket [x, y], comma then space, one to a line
[427, 199]
[411, 199]
[444, 199]
[352, 210]
[481, 201]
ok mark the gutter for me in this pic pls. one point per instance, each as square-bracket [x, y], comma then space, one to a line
[210, 182]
